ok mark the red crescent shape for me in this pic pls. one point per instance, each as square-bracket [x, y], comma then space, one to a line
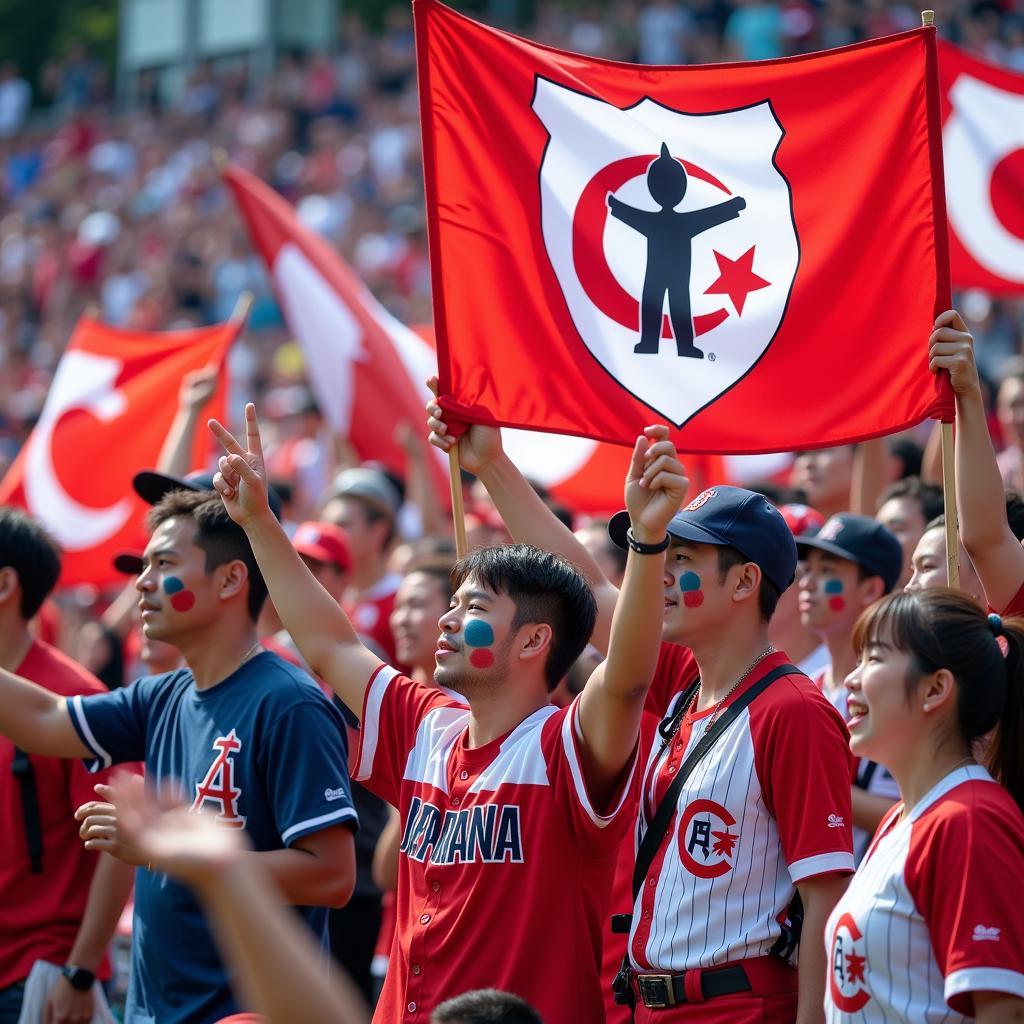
[588, 224]
[848, 1004]
[691, 865]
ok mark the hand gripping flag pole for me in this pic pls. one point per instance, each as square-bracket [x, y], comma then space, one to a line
[948, 459]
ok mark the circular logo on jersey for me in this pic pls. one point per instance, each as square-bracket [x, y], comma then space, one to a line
[365, 617]
[846, 976]
[707, 839]
[702, 499]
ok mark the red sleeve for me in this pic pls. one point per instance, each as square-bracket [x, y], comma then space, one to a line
[1016, 605]
[594, 829]
[676, 670]
[393, 708]
[963, 871]
[804, 766]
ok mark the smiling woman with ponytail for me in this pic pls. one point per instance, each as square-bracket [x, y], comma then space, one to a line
[931, 922]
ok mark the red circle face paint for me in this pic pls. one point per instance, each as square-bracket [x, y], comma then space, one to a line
[693, 598]
[481, 658]
[183, 600]
[837, 604]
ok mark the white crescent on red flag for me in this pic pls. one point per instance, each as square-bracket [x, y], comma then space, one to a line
[754, 253]
[106, 416]
[983, 146]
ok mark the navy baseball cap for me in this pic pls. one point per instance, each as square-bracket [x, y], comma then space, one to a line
[151, 486]
[733, 517]
[859, 539]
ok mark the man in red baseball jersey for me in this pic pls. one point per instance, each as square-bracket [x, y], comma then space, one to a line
[766, 814]
[510, 806]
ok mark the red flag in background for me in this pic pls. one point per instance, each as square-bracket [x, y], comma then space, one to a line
[107, 414]
[777, 295]
[365, 367]
[983, 145]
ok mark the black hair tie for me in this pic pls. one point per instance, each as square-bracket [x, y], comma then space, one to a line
[995, 623]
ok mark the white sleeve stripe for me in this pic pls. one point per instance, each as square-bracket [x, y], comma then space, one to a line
[370, 725]
[342, 814]
[822, 864]
[984, 979]
[569, 727]
[78, 714]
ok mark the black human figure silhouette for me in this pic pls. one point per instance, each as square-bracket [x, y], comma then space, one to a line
[669, 235]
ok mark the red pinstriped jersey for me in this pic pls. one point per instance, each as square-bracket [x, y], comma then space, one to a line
[931, 916]
[505, 864]
[767, 807]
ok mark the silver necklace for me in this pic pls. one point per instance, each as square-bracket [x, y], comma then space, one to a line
[750, 668]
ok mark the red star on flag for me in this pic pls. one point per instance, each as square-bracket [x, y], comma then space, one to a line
[736, 278]
[855, 967]
[725, 844]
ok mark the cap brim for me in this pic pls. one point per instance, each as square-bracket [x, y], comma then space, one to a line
[151, 486]
[824, 545]
[678, 528]
[130, 565]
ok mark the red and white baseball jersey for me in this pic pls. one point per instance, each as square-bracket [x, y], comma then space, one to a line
[931, 914]
[505, 865]
[370, 614]
[1016, 605]
[767, 807]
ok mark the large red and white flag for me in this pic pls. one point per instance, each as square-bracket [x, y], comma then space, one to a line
[983, 144]
[754, 253]
[106, 416]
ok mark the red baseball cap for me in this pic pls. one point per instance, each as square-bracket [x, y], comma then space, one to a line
[801, 518]
[323, 542]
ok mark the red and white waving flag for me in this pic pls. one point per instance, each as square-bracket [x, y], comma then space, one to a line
[754, 253]
[366, 368]
[107, 414]
[983, 144]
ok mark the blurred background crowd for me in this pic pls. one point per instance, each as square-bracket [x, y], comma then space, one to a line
[110, 197]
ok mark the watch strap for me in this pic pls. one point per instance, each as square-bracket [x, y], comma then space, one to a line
[79, 978]
[646, 549]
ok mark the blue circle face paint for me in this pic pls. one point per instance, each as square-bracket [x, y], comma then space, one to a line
[833, 586]
[478, 633]
[689, 581]
[172, 585]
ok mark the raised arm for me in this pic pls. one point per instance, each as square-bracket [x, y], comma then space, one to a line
[37, 720]
[528, 519]
[712, 216]
[639, 220]
[980, 497]
[613, 700]
[197, 388]
[314, 619]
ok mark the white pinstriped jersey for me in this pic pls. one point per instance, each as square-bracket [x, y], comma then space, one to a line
[505, 866]
[931, 915]
[767, 807]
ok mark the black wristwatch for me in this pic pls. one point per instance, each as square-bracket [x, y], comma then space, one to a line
[647, 549]
[78, 978]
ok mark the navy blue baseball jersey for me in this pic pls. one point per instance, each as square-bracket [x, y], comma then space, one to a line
[264, 750]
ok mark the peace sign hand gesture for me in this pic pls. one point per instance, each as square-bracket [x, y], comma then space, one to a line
[242, 479]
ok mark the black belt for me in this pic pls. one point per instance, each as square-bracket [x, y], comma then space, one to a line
[657, 991]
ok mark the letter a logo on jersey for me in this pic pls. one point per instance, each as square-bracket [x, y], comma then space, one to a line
[218, 788]
[672, 238]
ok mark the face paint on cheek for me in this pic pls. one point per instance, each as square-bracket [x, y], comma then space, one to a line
[479, 635]
[689, 584]
[834, 589]
[181, 599]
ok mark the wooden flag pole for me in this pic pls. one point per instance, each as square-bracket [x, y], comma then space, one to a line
[458, 509]
[948, 459]
[242, 308]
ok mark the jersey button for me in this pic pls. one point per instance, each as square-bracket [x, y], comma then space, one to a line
[436, 886]
[671, 769]
[652, 880]
[425, 919]
[416, 969]
[456, 801]
[463, 775]
[647, 915]
[411, 1007]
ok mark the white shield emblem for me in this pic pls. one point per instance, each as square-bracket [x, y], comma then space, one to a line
[672, 237]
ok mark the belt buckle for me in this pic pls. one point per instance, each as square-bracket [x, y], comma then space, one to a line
[656, 990]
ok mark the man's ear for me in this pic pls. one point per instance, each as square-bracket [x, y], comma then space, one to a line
[746, 581]
[233, 577]
[871, 590]
[535, 639]
[10, 584]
